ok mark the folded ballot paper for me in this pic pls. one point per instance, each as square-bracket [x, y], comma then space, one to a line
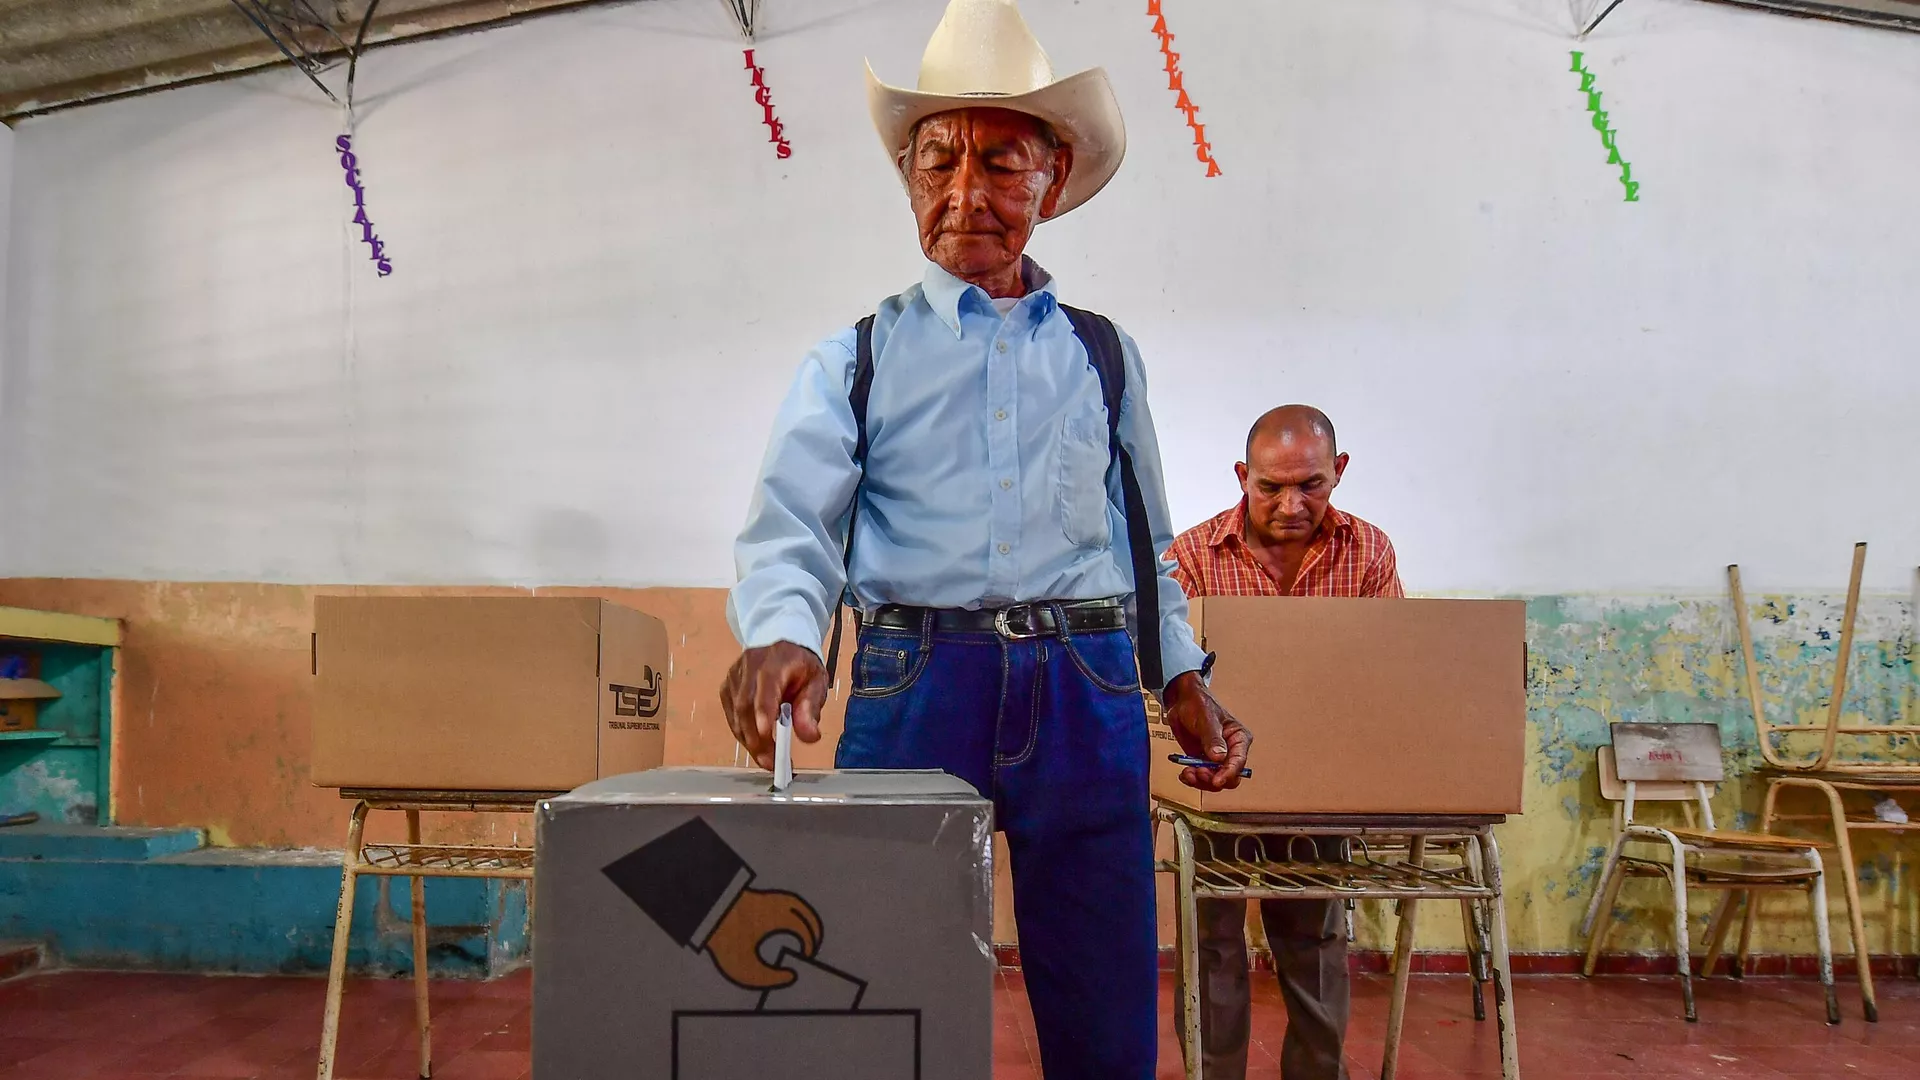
[696, 924]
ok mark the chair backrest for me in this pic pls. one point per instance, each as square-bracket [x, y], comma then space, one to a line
[1662, 763]
[1832, 755]
[1614, 789]
[1684, 752]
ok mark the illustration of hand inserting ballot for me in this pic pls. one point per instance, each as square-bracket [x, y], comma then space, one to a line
[698, 890]
[808, 1023]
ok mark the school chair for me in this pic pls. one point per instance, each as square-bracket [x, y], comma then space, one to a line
[1861, 763]
[1682, 763]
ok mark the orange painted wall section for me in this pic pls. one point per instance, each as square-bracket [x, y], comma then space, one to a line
[213, 725]
[216, 700]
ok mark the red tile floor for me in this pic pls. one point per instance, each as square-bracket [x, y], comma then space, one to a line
[73, 1026]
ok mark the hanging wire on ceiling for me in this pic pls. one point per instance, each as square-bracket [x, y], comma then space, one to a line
[1601, 19]
[307, 39]
[359, 41]
[746, 13]
[283, 29]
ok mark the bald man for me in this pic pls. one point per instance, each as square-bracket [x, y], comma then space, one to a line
[1284, 538]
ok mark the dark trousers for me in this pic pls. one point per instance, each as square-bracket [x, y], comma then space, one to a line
[1053, 730]
[1309, 943]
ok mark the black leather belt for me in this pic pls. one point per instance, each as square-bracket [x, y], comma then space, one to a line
[1042, 618]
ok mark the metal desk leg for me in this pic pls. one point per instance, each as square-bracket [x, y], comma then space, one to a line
[420, 1012]
[1187, 943]
[1402, 967]
[1502, 963]
[342, 932]
[1474, 976]
[1474, 920]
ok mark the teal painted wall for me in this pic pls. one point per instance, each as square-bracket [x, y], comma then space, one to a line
[64, 781]
[252, 912]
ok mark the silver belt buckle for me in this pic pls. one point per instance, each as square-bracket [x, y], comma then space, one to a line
[1004, 626]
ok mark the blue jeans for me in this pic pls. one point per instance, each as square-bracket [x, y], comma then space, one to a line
[1053, 730]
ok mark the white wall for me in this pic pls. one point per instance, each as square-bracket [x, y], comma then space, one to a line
[604, 280]
[6, 221]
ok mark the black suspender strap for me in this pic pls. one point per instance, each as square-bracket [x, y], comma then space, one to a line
[862, 388]
[856, 397]
[1102, 343]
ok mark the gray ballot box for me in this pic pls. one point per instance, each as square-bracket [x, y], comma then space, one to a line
[691, 924]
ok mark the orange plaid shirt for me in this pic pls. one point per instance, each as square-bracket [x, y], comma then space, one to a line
[1348, 557]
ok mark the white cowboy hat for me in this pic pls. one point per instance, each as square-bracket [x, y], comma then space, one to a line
[983, 55]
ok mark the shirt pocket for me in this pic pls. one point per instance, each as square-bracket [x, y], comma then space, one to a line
[1082, 497]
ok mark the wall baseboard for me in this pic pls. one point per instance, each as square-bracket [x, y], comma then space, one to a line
[1378, 962]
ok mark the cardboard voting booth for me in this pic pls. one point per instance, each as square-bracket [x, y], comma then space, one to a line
[694, 925]
[484, 693]
[1364, 706]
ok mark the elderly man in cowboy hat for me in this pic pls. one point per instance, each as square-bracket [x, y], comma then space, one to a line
[975, 466]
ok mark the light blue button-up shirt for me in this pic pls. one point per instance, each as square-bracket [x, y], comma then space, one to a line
[987, 479]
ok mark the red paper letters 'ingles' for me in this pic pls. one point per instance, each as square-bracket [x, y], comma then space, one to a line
[1202, 149]
[763, 97]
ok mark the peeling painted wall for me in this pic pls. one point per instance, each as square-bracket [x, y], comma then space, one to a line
[1594, 661]
[49, 778]
[216, 692]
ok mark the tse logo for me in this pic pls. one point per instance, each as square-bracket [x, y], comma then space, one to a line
[637, 700]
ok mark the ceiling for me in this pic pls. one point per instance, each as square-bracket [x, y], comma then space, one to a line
[59, 53]
[1898, 14]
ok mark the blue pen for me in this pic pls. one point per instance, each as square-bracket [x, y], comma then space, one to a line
[1200, 763]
